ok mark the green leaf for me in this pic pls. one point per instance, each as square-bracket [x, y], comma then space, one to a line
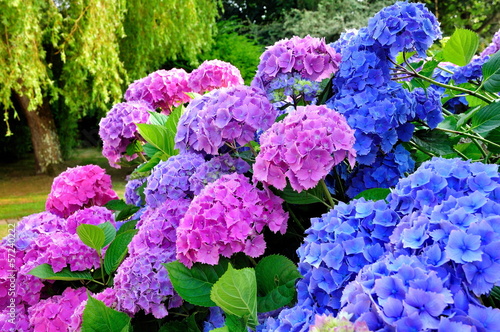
[173, 119]
[313, 195]
[374, 194]
[126, 213]
[470, 150]
[117, 250]
[133, 148]
[45, 271]
[461, 47]
[195, 284]
[276, 276]
[99, 318]
[400, 58]
[109, 232]
[428, 68]
[156, 118]
[224, 329]
[465, 117]
[127, 226]
[491, 73]
[91, 235]
[155, 160]
[236, 293]
[235, 324]
[150, 150]
[486, 119]
[435, 142]
[116, 205]
[158, 136]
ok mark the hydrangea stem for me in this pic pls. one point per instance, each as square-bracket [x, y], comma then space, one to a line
[327, 193]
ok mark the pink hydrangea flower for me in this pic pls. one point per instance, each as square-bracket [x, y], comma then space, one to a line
[227, 217]
[16, 320]
[304, 147]
[214, 74]
[119, 128]
[55, 313]
[79, 187]
[227, 115]
[162, 89]
[94, 215]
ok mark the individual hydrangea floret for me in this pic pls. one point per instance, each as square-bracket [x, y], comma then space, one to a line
[341, 323]
[493, 47]
[170, 179]
[214, 169]
[55, 313]
[77, 188]
[141, 281]
[344, 40]
[228, 216]
[289, 62]
[214, 74]
[163, 89]
[119, 128]
[304, 147]
[132, 195]
[224, 116]
[94, 215]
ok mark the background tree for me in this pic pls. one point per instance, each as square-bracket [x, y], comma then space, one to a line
[74, 58]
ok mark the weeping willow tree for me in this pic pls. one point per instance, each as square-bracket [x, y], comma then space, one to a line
[82, 54]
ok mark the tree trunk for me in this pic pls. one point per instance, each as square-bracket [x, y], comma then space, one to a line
[46, 146]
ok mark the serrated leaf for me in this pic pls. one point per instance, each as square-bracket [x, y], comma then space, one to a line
[235, 324]
[486, 119]
[109, 232]
[435, 142]
[126, 213]
[133, 148]
[276, 276]
[127, 226]
[314, 195]
[236, 293]
[99, 318]
[117, 250]
[158, 136]
[156, 118]
[45, 271]
[194, 285]
[461, 47]
[491, 73]
[374, 194]
[116, 205]
[91, 235]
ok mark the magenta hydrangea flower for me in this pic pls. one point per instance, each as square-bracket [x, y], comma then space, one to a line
[493, 47]
[141, 281]
[304, 147]
[214, 74]
[17, 320]
[227, 115]
[118, 129]
[162, 89]
[227, 217]
[107, 296]
[94, 215]
[55, 313]
[59, 250]
[77, 188]
[295, 59]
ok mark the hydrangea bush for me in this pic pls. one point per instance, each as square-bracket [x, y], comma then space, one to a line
[370, 203]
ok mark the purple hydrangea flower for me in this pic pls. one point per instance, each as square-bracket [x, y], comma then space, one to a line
[141, 281]
[119, 128]
[94, 215]
[15, 321]
[131, 194]
[289, 62]
[77, 188]
[214, 74]
[228, 216]
[428, 106]
[470, 72]
[228, 115]
[170, 179]
[163, 89]
[304, 147]
[493, 47]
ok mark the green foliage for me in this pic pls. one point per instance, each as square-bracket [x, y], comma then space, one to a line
[374, 194]
[491, 73]
[99, 318]
[45, 271]
[461, 47]
[117, 250]
[92, 236]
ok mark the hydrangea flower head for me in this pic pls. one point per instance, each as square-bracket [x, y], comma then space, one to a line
[93, 215]
[77, 188]
[493, 47]
[428, 106]
[291, 66]
[164, 89]
[303, 147]
[227, 115]
[228, 216]
[141, 281]
[131, 194]
[214, 74]
[118, 129]
[471, 71]
[170, 179]
[55, 313]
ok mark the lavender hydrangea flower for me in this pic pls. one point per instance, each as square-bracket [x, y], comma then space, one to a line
[79, 187]
[228, 216]
[303, 147]
[94, 215]
[163, 89]
[141, 281]
[214, 74]
[228, 115]
[170, 179]
[131, 194]
[290, 61]
[470, 72]
[118, 129]
[493, 47]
